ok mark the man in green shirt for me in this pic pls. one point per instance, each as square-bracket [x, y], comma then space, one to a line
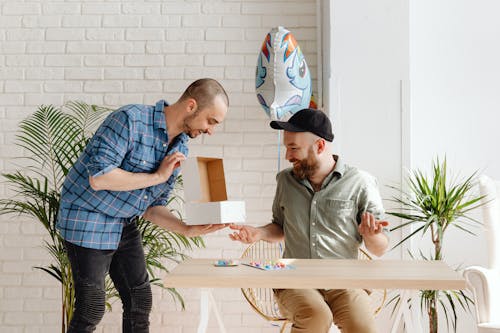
[323, 208]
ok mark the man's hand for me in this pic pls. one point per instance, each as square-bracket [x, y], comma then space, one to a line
[369, 226]
[163, 217]
[371, 230]
[198, 230]
[245, 234]
[169, 164]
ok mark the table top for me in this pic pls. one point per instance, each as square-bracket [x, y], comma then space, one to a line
[319, 274]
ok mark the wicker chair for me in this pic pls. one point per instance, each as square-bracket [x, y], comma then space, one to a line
[262, 299]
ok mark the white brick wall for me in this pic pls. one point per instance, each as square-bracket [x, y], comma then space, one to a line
[120, 52]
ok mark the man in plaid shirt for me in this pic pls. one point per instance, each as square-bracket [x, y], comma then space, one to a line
[127, 170]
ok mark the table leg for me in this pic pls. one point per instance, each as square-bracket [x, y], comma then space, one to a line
[207, 301]
[222, 329]
[204, 310]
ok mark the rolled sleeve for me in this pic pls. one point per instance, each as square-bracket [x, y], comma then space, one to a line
[109, 145]
[97, 170]
[371, 201]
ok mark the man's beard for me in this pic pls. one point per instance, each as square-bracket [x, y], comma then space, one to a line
[186, 125]
[306, 167]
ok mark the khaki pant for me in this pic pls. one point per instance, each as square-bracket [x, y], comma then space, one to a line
[313, 311]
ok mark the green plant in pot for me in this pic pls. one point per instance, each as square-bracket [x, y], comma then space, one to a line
[432, 205]
[53, 138]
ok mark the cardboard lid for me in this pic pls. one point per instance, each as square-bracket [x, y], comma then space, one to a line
[204, 179]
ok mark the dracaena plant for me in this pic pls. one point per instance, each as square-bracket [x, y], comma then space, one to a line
[431, 205]
[53, 138]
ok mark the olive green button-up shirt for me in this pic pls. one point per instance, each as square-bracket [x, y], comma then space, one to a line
[324, 224]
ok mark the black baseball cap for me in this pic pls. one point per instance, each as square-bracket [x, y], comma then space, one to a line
[307, 120]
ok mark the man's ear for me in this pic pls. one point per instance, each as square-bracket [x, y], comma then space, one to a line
[321, 144]
[191, 105]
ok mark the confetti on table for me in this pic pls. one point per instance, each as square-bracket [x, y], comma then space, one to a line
[226, 263]
[269, 265]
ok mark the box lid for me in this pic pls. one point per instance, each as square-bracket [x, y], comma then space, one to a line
[204, 179]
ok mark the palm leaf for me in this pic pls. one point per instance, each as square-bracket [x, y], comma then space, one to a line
[48, 134]
[51, 270]
[86, 117]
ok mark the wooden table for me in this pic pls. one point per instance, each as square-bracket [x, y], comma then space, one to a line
[406, 275]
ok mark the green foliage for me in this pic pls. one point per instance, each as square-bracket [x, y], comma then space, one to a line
[53, 138]
[431, 205]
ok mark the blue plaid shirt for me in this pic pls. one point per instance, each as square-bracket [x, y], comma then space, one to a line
[133, 138]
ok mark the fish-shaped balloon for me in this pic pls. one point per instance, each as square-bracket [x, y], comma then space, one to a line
[282, 79]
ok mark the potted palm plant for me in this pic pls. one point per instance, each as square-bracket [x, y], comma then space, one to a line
[432, 205]
[53, 139]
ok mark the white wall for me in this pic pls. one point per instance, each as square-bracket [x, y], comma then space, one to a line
[455, 72]
[119, 52]
[369, 44]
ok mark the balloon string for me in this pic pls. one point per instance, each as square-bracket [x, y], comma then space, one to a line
[279, 151]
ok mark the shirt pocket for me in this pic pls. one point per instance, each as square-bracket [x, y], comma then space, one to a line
[343, 209]
[141, 161]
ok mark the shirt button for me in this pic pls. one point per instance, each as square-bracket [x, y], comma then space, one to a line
[314, 244]
[145, 197]
[143, 162]
[164, 145]
[314, 202]
[314, 224]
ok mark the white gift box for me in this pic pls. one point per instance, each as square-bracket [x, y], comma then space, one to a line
[205, 193]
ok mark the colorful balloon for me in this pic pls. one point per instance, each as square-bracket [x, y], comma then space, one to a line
[282, 79]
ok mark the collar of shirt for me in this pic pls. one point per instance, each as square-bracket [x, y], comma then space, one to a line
[339, 166]
[160, 122]
[159, 116]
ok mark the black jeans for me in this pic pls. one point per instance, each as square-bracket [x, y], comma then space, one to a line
[127, 268]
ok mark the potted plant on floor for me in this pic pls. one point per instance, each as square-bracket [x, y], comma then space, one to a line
[432, 205]
[53, 139]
